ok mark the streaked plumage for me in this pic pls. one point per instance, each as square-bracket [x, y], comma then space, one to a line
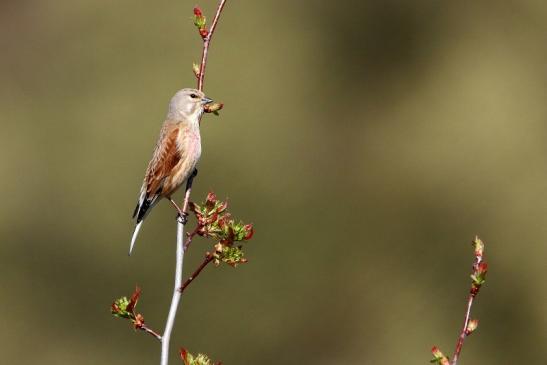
[176, 153]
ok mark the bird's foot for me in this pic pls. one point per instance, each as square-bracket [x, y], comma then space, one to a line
[182, 218]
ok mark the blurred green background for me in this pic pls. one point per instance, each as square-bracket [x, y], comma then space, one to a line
[368, 141]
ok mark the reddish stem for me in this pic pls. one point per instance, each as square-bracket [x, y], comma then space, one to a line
[463, 334]
[206, 42]
[150, 331]
[473, 293]
[205, 262]
[190, 238]
[201, 77]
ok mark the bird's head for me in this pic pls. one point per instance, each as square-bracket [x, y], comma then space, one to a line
[187, 104]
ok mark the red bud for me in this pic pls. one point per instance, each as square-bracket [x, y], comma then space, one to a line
[184, 355]
[197, 11]
[211, 197]
[482, 268]
[250, 231]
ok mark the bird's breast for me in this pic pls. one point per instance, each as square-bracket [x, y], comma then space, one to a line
[189, 146]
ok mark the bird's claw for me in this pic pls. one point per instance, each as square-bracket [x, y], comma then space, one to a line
[182, 218]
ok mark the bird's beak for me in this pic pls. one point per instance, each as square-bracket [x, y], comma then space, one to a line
[206, 100]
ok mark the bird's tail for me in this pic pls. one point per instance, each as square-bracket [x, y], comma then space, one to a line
[134, 238]
[144, 206]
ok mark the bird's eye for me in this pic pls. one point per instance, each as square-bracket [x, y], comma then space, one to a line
[193, 96]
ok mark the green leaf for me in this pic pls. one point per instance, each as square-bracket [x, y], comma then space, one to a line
[233, 256]
[119, 308]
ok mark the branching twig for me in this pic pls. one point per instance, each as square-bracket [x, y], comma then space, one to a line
[125, 308]
[213, 221]
[469, 325]
[190, 238]
[180, 226]
[208, 258]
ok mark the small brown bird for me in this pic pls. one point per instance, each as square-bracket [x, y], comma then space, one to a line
[175, 156]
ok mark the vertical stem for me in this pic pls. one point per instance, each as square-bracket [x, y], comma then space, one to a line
[180, 226]
[206, 42]
[176, 296]
[177, 293]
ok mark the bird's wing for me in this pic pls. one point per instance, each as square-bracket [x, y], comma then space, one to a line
[166, 156]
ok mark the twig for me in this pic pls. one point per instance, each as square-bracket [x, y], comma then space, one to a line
[472, 294]
[206, 42]
[180, 226]
[190, 238]
[463, 334]
[150, 331]
[208, 258]
[480, 268]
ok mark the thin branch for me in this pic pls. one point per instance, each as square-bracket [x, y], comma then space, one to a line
[479, 272]
[463, 334]
[150, 331]
[206, 42]
[180, 226]
[208, 258]
[480, 268]
[190, 238]
[472, 294]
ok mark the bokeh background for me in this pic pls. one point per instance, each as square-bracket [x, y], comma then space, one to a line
[368, 141]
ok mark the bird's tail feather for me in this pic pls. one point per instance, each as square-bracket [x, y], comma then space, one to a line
[134, 238]
[144, 206]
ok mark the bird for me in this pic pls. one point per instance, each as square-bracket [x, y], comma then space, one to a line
[175, 156]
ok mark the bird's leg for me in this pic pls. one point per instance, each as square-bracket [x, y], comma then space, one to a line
[191, 179]
[182, 217]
